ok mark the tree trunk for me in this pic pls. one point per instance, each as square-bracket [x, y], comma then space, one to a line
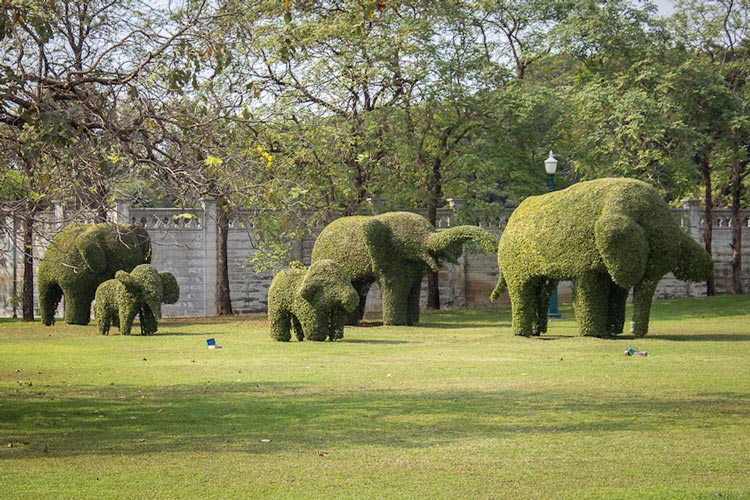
[708, 229]
[28, 264]
[736, 244]
[433, 284]
[223, 296]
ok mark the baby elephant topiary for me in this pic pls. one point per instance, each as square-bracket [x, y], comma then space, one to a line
[141, 292]
[607, 236]
[315, 302]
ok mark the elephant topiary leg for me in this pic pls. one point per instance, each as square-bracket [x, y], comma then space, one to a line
[395, 297]
[618, 297]
[149, 323]
[127, 316]
[591, 304]
[336, 324]
[103, 323]
[523, 306]
[412, 303]
[77, 307]
[544, 289]
[49, 298]
[298, 332]
[314, 326]
[643, 294]
[280, 325]
[362, 288]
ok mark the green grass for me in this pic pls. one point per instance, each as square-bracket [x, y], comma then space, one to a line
[454, 408]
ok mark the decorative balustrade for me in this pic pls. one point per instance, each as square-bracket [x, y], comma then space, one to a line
[185, 243]
[166, 218]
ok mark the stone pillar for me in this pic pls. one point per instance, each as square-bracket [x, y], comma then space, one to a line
[693, 228]
[210, 256]
[121, 214]
[461, 282]
[693, 218]
[59, 221]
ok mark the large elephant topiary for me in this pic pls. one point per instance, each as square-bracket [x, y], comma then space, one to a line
[607, 236]
[314, 302]
[394, 249]
[141, 291]
[81, 257]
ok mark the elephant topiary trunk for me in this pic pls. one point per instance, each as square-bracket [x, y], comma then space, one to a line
[607, 236]
[81, 257]
[395, 250]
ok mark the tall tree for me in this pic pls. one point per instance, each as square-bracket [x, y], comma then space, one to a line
[715, 35]
[64, 67]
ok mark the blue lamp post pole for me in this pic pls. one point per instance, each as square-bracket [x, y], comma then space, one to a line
[550, 165]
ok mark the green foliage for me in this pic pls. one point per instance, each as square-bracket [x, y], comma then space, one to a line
[140, 292]
[82, 256]
[394, 249]
[607, 236]
[313, 302]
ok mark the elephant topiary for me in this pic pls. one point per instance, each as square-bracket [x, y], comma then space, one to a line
[607, 236]
[394, 249]
[142, 291]
[81, 257]
[314, 301]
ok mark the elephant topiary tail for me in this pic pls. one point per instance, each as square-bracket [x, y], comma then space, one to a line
[499, 288]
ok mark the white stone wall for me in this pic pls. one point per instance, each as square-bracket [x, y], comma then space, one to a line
[185, 244]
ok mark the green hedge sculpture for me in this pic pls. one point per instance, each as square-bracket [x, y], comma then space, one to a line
[394, 249]
[142, 292]
[607, 236]
[315, 302]
[81, 257]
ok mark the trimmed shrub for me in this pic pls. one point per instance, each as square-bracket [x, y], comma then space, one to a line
[394, 249]
[81, 257]
[314, 302]
[141, 292]
[607, 236]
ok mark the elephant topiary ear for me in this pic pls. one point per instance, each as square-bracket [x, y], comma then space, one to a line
[126, 279]
[694, 263]
[623, 248]
[91, 250]
[170, 288]
[308, 290]
[378, 243]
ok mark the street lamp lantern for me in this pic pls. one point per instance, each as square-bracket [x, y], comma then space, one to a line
[550, 166]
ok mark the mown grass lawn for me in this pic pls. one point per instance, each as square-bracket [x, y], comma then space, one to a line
[454, 408]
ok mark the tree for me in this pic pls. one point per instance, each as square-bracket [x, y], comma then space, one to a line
[715, 35]
[64, 69]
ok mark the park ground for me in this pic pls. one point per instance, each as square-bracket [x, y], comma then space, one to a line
[456, 407]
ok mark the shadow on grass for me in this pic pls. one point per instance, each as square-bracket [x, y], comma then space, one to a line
[375, 341]
[707, 337]
[273, 418]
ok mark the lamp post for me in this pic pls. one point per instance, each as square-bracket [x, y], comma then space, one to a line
[550, 166]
